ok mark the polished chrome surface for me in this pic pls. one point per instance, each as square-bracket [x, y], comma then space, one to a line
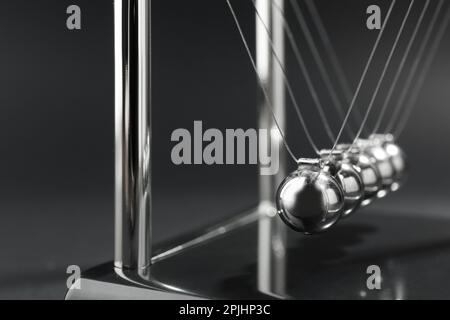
[133, 134]
[368, 171]
[310, 200]
[96, 290]
[348, 176]
[382, 161]
[271, 229]
[398, 159]
[396, 156]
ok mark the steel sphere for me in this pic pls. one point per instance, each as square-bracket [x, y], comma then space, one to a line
[376, 150]
[397, 157]
[385, 167]
[310, 200]
[368, 171]
[349, 179]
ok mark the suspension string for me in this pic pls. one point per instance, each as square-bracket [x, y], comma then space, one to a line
[413, 71]
[383, 75]
[305, 72]
[400, 69]
[265, 92]
[317, 58]
[363, 77]
[332, 55]
[421, 79]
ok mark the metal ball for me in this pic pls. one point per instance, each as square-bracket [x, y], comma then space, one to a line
[397, 157]
[383, 162]
[310, 200]
[368, 171]
[349, 179]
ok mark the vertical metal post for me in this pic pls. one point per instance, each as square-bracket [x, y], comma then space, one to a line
[133, 134]
[272, 231]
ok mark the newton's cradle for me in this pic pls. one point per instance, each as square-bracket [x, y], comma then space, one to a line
[289, 246]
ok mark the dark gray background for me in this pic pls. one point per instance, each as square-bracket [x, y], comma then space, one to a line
[57, 124]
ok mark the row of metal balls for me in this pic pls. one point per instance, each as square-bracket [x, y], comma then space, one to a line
[323, 191]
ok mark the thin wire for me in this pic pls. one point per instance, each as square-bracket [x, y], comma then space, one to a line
[400, 69]
[326, 41]
[305, 72]
[413, 99]
[363, 77]
[383, 74]
[317, 58]
[408, 83]
[266, 94]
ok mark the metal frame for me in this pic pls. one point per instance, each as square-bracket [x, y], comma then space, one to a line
[133, 234]
[272, 231]
[133, 276]
[133, 134]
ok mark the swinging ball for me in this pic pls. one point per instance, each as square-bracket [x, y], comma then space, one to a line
[310, 200]
[396, 155]
[368, 171]
[383, 162]
[348, 177]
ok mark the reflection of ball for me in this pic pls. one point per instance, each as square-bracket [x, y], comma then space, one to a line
[350, 181]
[382, 161]
[367, 170]
[397, 157]
[310, 200]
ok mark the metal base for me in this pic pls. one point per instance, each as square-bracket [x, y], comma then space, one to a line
[413, 253]
[104, 283]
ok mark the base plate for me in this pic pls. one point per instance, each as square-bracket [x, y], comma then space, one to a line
[413, 253]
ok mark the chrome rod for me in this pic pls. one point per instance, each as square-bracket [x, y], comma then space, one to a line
[272, 231]
[133, 134]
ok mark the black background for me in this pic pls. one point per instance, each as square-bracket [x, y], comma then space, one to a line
[57, 125]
